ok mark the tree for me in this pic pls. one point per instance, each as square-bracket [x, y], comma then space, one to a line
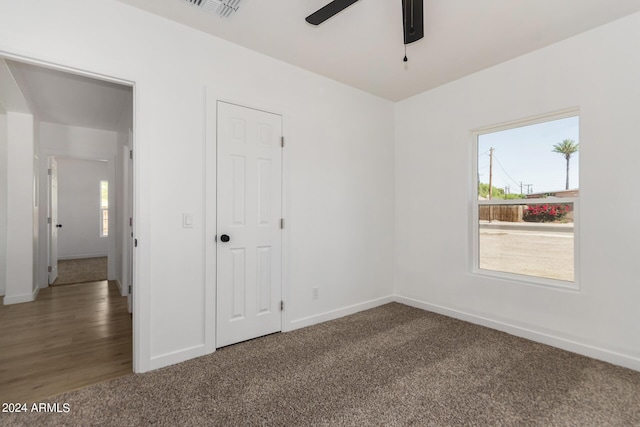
[498, 193]
[483, 191]
[566, 148]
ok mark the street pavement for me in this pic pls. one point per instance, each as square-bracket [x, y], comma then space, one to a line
[543, 250]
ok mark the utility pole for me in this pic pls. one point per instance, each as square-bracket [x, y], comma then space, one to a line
[521, 193]
[490, 172]
[529, 186]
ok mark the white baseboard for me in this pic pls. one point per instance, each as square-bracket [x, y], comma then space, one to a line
[169, 359]
[336, 314]
[19, 299]
[119, 285]
[620, 359]
[124, 290]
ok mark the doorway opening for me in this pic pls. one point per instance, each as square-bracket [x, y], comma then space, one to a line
[68, 146]
[78, 197]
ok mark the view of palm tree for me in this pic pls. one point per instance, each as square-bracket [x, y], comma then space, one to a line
[521, 160]
[534, 237]
[567, 147]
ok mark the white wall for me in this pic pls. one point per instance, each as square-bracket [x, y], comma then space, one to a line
[35, 194]
[81, 144]
[598, 72]
[79, 208]
[77, 142]
[11, 99]
[3, 202]
[20, 209]
[339, 163]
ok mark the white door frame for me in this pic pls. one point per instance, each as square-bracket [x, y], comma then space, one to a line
[142, 309]
[127, 224]
[210, 246]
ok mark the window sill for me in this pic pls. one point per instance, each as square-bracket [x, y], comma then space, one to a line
[522, 279]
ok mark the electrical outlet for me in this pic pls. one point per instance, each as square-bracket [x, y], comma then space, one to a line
[315, 293]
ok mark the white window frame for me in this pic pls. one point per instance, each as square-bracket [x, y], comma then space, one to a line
[474, 210]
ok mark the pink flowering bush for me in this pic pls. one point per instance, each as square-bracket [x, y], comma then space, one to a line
[545, 213]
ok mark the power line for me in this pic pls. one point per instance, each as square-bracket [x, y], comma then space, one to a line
[503, 170]
[490, 172]
[502, 177]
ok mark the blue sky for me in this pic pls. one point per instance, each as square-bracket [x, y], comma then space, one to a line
[525, 155]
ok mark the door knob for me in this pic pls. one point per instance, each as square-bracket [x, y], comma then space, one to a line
[225, 238]
[59, 225]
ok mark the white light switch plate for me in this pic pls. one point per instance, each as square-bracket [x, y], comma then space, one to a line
[187, 220]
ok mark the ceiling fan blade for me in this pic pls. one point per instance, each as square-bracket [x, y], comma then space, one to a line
[328, 11]
[413, 20]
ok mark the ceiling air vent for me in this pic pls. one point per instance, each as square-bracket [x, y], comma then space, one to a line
[223, 8]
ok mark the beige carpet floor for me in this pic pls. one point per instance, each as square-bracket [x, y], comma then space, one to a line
[72, 271]
[390, 366]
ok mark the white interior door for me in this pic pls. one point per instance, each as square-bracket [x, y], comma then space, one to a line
[53, 220]
[249, 237]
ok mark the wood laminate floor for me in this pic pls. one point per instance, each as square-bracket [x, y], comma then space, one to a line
[70, 337]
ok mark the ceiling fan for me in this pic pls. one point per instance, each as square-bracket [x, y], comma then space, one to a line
[412, 17]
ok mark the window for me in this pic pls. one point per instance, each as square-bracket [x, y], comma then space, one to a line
[525, 206]
[104, 208]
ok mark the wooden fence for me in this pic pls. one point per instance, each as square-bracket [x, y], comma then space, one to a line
[512, 213]
[506, 213]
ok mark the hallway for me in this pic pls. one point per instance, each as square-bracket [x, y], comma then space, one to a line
[71, 336]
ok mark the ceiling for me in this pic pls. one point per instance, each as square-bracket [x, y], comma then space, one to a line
[69, 99]
[363, 45]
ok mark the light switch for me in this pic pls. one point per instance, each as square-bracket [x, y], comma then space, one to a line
[187, 220]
